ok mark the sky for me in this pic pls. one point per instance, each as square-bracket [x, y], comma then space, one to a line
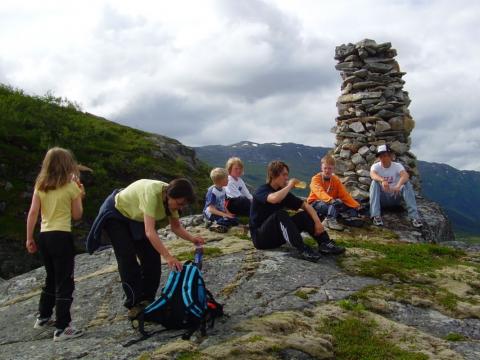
[219, 72]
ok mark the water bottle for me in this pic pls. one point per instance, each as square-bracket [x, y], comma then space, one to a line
[198, 257]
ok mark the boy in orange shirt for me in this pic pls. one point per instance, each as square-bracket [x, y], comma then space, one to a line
[329, 197]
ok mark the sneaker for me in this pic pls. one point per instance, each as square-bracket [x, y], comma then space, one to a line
[377, 221]
[218, 228]
[308, 254]
[68, 333]
[417, 223]
[332, 224]
[330, 248]
[42, 323]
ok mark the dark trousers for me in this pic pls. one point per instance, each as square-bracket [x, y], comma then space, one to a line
[324, 209]
[140, 278]
[224, 221]
[280, 228]
[239, 206]
[57, 251]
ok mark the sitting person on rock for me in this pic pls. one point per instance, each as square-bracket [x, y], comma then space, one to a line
[239, 198]
[329, 197]
[389, 186]
[270, 224]
[218, 218]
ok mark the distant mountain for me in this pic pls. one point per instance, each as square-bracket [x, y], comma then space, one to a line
[458, 192]
[118, 155]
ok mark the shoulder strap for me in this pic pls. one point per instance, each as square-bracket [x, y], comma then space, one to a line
[192, 273]
[167, 292]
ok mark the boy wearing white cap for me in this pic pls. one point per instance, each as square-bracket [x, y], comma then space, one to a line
[389, 186]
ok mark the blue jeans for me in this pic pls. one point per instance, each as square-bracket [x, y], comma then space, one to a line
[380, 199]
[332, 211]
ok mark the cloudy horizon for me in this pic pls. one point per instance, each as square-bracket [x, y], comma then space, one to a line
[221, 72]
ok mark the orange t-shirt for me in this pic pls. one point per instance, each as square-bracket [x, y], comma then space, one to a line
[327, 190]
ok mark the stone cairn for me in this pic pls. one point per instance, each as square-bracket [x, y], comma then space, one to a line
[372, 110]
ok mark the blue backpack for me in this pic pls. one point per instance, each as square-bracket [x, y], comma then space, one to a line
[185, 303]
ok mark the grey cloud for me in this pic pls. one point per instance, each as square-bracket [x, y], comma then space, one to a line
[174, 116]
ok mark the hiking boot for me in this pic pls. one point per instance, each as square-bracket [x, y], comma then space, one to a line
[308, 254]
[42, 323]
[68, 333]
[137, 309]
[328, 247]
[377, 221]
[332, 224]
[417, 223]
[219, 228]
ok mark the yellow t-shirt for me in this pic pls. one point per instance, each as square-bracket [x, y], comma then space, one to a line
[56, 207]
[143, 197]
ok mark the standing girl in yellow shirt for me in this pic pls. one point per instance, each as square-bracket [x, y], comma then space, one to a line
[58, 197]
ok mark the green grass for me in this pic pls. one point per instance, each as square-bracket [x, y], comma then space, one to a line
[455, 337]
[401, 259]
[351, 305]
[189, 355]
[301, 294]
[357, 338]
[207, 252]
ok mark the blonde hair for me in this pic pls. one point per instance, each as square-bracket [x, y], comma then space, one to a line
[58, 166]
[233, 161]
[218, 174]
[328, 160]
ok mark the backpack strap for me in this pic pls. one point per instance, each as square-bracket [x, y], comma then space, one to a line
[191, 274]
[167, 292]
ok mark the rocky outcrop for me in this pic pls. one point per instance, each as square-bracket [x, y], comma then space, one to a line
[372, 110]
[278, 305]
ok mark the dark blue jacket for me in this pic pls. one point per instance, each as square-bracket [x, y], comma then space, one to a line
[108, 211]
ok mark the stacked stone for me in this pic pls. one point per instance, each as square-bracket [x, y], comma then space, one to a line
[372, 110]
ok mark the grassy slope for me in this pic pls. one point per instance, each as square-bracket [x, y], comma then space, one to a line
[117, 154]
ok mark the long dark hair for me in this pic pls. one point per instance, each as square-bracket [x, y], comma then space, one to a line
[181, 188]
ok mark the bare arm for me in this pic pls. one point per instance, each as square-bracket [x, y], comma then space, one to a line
[180, 231]
[158, 245]
[215, 211]
[77, 208]
[313, 214]
[31, 222]
[278, 196]
[379, 179]
[404, 177]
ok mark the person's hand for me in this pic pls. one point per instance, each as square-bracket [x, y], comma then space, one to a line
[76, 179]
[385, 186]
[229, 215]
[292, 182]
[31, 246]
[173, 263]
[318, 228]
[396, 189]
[198, 240]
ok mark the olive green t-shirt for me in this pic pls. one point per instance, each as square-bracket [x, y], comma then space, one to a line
[56, 207]
[143, 197]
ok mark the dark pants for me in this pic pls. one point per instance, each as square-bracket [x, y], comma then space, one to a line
[57, 251]
[324, 209]
[280, 228]
[224, 221]
[239, 206]
[140, 281]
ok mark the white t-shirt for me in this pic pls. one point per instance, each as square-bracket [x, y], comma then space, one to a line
[391, 174]
[237, 188]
